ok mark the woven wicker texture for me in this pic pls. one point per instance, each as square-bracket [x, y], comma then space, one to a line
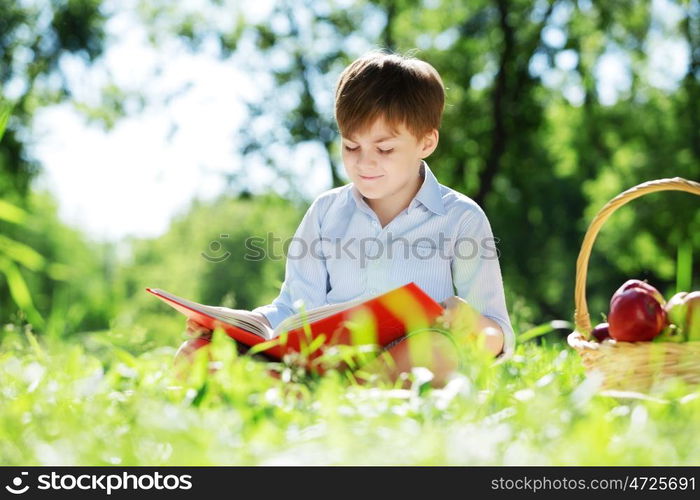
[634, 366]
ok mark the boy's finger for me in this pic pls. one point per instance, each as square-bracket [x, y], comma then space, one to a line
[191, 332]
[194, 328]
[192, 323]
[443, 320]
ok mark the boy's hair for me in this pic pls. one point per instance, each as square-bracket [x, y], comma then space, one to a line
[401, 89]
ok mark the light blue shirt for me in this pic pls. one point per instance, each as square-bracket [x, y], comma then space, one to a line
[442, 241]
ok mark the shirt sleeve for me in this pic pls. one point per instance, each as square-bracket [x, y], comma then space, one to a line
[305, 275]
[476, 275]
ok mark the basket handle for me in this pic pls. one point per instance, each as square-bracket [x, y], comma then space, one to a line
[581, 316]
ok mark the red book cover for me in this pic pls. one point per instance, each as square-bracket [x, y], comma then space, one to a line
[380, 320]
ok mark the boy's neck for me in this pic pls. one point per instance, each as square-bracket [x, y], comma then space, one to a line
[388, 209]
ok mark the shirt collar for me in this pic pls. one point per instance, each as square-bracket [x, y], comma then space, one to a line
[429, 193]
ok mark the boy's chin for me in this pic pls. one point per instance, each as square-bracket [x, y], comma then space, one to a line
[371, 194]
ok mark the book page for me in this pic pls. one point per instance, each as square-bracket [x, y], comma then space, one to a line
[297, 320]
[240, 318]
[237, 317]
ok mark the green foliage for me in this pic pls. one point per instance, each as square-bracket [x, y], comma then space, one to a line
[540, 163]
[5, 112]
[13, 252]
[539, 160]
[93, 384]
[35, 37]
[91, 403]
[212, 254]
[58, 280]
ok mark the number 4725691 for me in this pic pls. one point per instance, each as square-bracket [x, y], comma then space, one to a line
[662, 483]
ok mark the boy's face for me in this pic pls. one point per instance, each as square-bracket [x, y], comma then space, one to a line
[384, 165]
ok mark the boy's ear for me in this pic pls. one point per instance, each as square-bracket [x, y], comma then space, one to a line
[430, 142]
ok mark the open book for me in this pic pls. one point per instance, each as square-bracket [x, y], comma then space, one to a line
[387, 317]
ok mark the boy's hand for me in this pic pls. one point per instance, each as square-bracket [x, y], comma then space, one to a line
[458, 316]
[194, 329]
[466, 323]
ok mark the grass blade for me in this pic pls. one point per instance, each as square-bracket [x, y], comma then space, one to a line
[544, 329]
[5, 111]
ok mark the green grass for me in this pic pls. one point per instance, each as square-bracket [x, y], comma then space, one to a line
[89, 401]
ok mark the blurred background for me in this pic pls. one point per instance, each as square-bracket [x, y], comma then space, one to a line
[147, 139]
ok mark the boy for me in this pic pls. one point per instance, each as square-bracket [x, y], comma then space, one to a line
[395, 223]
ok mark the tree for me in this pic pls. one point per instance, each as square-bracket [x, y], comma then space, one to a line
[515, 137]
[34, 37]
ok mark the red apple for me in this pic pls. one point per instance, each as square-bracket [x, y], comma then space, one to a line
[629, 284]
[636, 313]
[601, 332]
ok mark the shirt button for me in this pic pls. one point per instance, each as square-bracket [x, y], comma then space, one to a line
[372, 291]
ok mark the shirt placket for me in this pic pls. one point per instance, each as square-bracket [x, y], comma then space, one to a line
[377, 263]
[377, 267]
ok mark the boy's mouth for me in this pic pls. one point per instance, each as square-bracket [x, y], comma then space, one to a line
[370, 178]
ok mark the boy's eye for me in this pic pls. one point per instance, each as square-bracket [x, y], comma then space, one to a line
[382, 151]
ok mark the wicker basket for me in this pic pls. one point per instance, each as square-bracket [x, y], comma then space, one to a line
[631, 366]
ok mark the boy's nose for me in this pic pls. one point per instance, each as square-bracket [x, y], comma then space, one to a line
[365, 164]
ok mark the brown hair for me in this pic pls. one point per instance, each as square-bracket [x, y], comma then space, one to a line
[399, 88]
